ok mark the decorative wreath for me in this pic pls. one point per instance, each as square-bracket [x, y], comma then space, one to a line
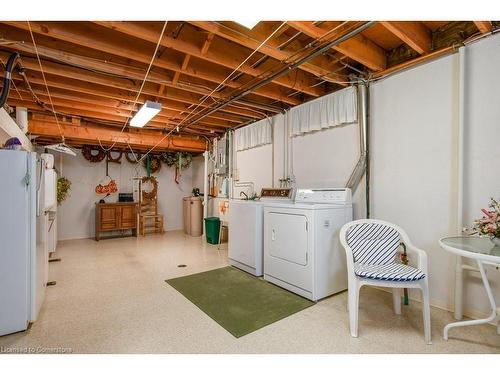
[151, 194]
[63, 188]
[154, 163]
[117, 159]
[171, 159]
[88, 153]
[130, 157]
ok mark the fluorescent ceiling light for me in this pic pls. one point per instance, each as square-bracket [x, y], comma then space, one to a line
[249, 24]
[145, 114]
[61, 147]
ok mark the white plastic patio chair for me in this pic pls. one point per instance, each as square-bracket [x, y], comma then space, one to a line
[371, 250]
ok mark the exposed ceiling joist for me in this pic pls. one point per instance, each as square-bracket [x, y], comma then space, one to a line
[252, 41]
[414, 33]
[358, 48]
[217, 54]
[80, 34]
[95, 133]
[484, 26]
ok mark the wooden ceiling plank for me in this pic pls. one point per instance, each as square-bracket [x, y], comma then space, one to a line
[179, 95]
[74, 108]
[227, 57]
[105, 105]
[414, 33]
[86, 133]
[484, 26]
[270, 49]
[358, 48]
[206, 43]
[77, 34]
[184, 66]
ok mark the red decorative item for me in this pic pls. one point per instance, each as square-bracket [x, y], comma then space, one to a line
[110, 188]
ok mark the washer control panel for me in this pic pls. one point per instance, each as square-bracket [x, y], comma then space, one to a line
[273, 193]
[325, 195]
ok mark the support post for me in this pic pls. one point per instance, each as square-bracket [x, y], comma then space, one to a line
[458, 310]
[205, 190]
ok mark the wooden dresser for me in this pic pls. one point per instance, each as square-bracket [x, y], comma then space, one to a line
[119, 216]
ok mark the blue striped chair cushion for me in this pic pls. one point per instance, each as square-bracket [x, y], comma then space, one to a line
[388, 272]
[373, 243]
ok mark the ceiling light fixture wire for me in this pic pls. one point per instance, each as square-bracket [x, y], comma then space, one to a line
[140, 89]
[45, 82]
[205, 97]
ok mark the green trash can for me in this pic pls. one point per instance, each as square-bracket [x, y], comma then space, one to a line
[212, 228]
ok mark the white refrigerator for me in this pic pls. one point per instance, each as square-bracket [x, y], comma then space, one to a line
[23, 250]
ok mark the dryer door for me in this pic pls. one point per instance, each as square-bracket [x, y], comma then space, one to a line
[288, 240]
[287, 244]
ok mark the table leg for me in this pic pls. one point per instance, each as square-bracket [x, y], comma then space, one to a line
[489, 319]
[459, 288]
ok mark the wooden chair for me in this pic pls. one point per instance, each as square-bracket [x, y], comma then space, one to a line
[150, 221]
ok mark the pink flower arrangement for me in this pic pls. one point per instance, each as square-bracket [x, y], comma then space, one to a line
[489, 225]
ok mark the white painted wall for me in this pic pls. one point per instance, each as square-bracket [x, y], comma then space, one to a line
[482, 150]
[414, 158]
[326, 158]
[76, 214]
[255, 165]
[197, 167]
[413, 161]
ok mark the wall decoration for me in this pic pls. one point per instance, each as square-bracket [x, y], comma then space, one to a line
[63, 188]
[110, 188]
[154, 189]
[154, 163]
[172, 159]
[116, 159]
[169, 158]
[93, 154]
[130, 157]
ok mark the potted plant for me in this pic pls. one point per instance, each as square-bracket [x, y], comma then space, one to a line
[489, 225]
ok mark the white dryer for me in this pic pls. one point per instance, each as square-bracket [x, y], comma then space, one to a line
[246, 226]
[302, 251]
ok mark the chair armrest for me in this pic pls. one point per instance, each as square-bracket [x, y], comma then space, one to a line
[421, 254]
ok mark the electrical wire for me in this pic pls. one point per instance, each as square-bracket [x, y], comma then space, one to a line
[45, 81]
[189, 116]
[12, 80]
[288, 60]
[140, 89]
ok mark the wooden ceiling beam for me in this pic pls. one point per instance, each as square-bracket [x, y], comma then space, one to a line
[358, 48]
[79, 100]
[86, 92]
[47, 117]
[414, 33]
[95, 133]
[251, 40]
[81, 34]
[185, 63]
[226, 55]
[70, 108]
[206, 43]
[484, 26]
[125, 89]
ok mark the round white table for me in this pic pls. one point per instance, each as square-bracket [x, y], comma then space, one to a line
[483, 251]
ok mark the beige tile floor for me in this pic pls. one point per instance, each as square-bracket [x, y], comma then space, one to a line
[111, 297]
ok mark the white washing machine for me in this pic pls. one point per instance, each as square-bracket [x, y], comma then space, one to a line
[302, 251]
[246, 227]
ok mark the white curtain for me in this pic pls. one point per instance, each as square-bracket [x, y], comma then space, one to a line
[328, 111]
[257, 134]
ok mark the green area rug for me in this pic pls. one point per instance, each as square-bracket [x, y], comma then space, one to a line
[239, 302]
